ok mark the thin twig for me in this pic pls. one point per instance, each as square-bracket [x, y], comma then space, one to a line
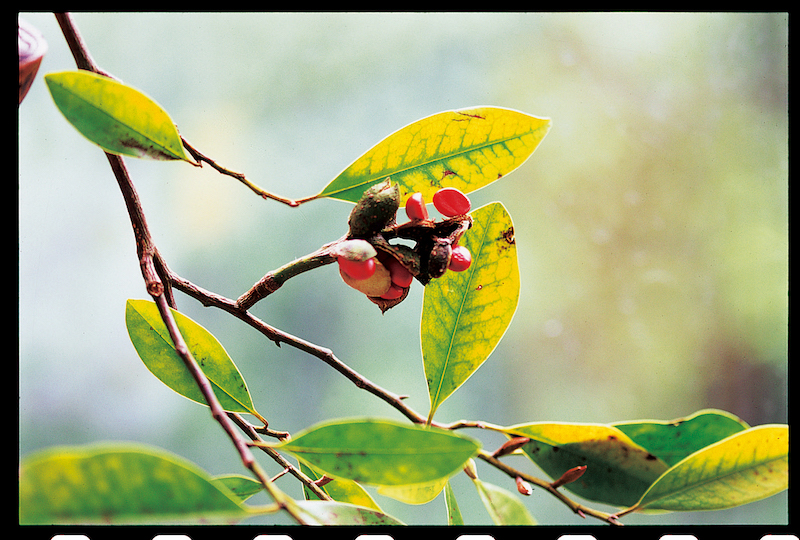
[574, 506]
[279, 459]
[200, 158]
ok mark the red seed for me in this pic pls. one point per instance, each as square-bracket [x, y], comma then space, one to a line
[357, 270]
[400, 274]
[460, 259]
[415, 207]
[451, 202]
[393, 293]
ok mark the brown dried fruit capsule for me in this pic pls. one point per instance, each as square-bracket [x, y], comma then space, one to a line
[439, 260]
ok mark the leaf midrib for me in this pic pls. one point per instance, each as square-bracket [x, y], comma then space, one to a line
[458, 318]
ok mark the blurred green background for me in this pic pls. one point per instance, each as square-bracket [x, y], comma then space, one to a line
[651, 224]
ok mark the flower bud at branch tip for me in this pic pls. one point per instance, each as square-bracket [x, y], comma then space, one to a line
[569, 476]
[470, 469]
[319, 482]
[510, 446]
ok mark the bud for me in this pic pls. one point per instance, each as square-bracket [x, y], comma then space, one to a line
[470, 469]
[510, 446]
[523, 486]
[325, 479]
[569, 476]
[375, 210]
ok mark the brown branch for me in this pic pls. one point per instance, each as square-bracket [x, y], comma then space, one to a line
[146, 251]
[159, 281]
[250, 430]
[210, 299]
[579, 509]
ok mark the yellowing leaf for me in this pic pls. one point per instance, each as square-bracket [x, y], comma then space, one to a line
[340, 490]
[416, 493]
[116, 117]
[745, 467]
[618, 470]
[119, 483]
[465, 314]
[467, 149]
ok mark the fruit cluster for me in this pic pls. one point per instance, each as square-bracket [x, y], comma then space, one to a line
[383, 271]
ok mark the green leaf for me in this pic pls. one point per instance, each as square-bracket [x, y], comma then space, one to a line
[340, 490]
[118, 118]
[465, 314]
[453, 513]
[467, 149]
[119, 484]
[673, 440]
[504, 507]
[745, 467]
[381, 452]
[152, 341]
[336, 513]
[243, 487]
[618, 470]
[414, 493]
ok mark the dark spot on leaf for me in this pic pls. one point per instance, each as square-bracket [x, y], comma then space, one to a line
[508, 235]
[145, 150]
[650, 457]
[556, 449]
[472, 115]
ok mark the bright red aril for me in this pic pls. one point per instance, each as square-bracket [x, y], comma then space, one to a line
[357, 270]
[451, 202]
[460, 259]
[400, 274]
[393, 293]
[415, 207]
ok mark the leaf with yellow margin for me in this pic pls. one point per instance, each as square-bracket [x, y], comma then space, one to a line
[465, 314]
[618, 470]
[745, 467]
[466, 149]
[340, 490]
[415, 493]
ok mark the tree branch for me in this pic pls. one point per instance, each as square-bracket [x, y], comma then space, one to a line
[160, 280]
[146, 251]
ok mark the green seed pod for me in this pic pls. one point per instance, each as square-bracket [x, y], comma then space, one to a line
[376, 209]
